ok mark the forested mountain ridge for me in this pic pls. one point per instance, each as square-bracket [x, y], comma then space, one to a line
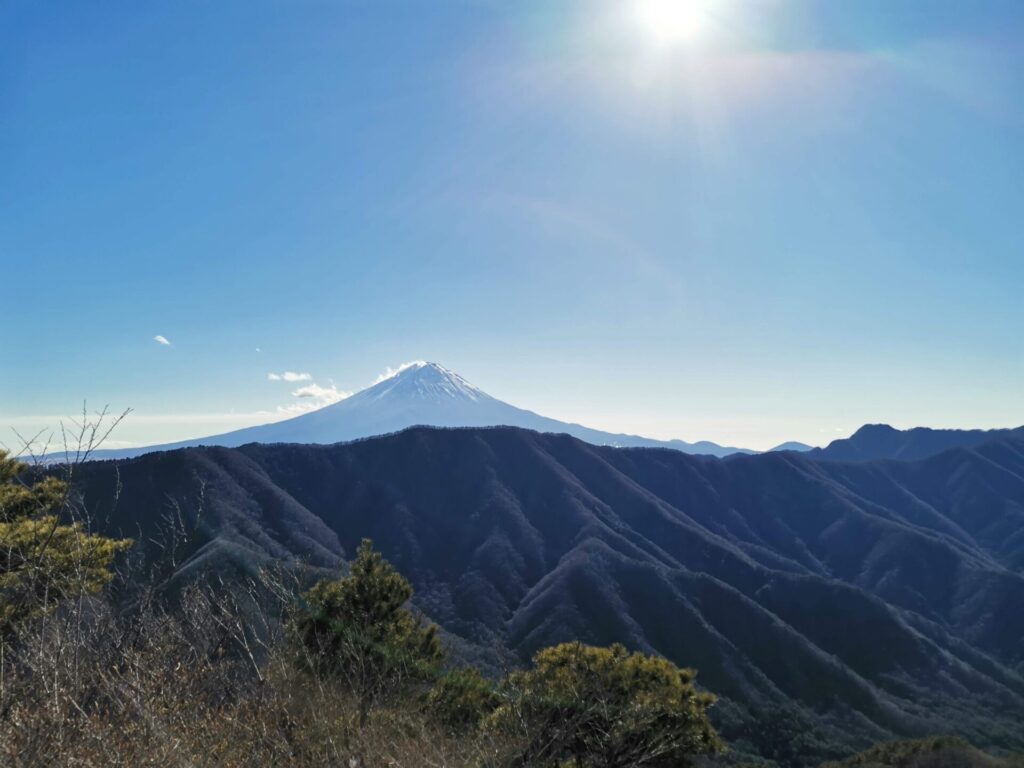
[885, 597]
[881, 441]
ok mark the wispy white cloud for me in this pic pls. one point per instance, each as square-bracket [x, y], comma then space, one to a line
[325, 395]
[390, 373]
[311, 397]
[162, 340]
[293, 409]
[296, 409]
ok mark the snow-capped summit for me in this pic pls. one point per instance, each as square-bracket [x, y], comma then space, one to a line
[425, 381]
[416, 394]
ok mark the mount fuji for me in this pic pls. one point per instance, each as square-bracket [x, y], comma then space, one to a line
[420, 394]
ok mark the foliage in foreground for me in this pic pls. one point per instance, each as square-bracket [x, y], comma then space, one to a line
[87, 686]
[44, 560]
[605, 707]
[359, 629]
[352, 678]
[461, 699]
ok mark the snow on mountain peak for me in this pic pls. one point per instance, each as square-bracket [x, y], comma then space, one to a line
[425, 381]
[391, 373]
[417, 393]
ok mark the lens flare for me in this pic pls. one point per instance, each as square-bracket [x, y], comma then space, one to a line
[671, 22]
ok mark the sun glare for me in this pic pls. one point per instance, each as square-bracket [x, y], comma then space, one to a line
[671, 22]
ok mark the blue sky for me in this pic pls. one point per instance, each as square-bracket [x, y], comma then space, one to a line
[787, 220]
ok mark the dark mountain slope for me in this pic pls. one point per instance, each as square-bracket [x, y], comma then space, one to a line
[880, 441]
[792, 445]
[214, 498]
[865, 524]
[877, 595]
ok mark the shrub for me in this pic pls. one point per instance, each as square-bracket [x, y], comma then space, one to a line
[605, 707]
[42, 559]
[359, 629]
[461, 699]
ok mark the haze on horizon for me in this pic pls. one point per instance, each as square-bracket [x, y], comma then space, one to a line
[748, 222]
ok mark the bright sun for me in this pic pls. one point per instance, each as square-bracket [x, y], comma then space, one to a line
[671, 22]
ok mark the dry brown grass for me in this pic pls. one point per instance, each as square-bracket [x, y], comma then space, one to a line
[196, 686]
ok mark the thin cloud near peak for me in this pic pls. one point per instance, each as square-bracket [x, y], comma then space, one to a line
[161, 340]
[390, 373]
[325, 395]
[311, 396]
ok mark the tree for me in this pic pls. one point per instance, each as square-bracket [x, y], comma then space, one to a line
[358, 627]
[605, 707]
[461, 699]
[42, 559]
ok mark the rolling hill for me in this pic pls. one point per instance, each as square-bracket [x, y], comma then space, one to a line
[883, 598]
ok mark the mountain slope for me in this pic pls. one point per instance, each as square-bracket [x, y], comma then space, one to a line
[792, 445]
[420, 394]
[885, 597]
[880, 441]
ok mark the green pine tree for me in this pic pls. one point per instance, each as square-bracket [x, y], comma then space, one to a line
[42, 559]
[359, 628]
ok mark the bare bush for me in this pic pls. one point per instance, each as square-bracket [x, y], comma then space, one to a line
[199, 684]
